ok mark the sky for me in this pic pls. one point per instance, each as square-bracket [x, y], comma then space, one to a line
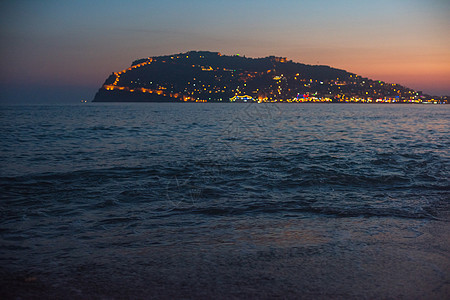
[58, 51]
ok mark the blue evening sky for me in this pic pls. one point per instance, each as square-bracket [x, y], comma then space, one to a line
[62, 51]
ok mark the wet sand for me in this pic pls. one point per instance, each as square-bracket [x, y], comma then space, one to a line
[286, 262]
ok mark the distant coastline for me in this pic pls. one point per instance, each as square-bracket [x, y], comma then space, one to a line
[202, 76]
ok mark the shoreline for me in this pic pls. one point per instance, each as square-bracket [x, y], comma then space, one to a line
[409, 263]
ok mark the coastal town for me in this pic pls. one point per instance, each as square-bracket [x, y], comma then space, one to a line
[201, 76]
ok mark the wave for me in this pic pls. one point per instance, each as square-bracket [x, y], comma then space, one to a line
[277, 209]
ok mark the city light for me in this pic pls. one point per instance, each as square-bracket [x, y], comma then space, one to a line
[236, 84]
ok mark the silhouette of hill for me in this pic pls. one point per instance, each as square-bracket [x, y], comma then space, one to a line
[203, 76]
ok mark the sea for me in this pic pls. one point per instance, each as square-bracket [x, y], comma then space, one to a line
[224, 201]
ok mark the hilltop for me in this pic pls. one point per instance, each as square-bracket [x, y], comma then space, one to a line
[202, 76]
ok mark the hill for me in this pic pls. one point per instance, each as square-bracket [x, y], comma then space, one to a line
[202, 76]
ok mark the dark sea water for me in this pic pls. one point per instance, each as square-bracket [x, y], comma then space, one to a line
[170, 200]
